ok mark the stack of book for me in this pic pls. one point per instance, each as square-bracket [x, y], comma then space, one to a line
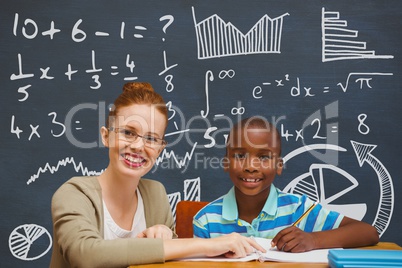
[344, 258]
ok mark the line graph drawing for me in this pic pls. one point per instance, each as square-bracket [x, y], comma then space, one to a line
[78, 166]
[217, 38]
[84, 171]
[179, 162]
[338, 42]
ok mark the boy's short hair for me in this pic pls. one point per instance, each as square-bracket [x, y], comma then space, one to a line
[256, 122]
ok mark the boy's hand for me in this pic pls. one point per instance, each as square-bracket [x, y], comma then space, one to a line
[156, 231]
[292, 239]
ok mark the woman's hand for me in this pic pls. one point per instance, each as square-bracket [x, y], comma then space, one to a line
[233, 245]
[157, 231]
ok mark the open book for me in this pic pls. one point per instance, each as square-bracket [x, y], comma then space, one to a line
[314, 256]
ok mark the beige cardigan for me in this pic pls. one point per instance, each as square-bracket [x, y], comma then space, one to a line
[77, 215]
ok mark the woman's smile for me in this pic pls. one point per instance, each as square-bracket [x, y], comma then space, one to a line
[134, 160]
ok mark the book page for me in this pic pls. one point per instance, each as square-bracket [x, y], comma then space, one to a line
[251, 257]
[272, 254]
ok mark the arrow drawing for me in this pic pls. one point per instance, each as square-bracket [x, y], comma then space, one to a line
[312, 147]
[386, 206]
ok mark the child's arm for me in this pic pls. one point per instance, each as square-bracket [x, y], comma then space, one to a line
[350, 233]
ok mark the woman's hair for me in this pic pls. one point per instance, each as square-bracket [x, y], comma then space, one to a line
[138, 93]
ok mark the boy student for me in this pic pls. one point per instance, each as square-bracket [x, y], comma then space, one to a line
[255, 207]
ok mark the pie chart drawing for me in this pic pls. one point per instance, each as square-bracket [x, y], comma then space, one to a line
[312, 184]
[29, 242]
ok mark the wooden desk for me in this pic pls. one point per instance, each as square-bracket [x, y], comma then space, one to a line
[253, 264]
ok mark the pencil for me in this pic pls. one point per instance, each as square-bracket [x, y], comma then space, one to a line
[304, 214]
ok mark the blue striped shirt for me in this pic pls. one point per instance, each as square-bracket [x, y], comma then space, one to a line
[280, 211]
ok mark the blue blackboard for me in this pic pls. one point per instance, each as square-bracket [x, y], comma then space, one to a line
[328, 73]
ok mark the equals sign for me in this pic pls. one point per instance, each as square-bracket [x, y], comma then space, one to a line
[114, 70]
[141, 28]
[78, 128]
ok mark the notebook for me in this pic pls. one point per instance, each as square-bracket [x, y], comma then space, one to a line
[344, 258]
[313, 256]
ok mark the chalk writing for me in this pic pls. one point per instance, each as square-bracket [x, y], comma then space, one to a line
[64, 63]
[363, 128]
[226, 73]
[78, 167]
[192, 189]
[338, 43]
[192, 192]
[24, 239]
[77, 34]
[386, 206]
[209, 76]
[174, 198]
[170, 20]
[217, 38]
[168, 78]
[15, 129]
[300, 90]
[179, 162]
[319, 174]
[361, 75]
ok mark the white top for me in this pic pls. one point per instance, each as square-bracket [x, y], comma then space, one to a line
[113, 231]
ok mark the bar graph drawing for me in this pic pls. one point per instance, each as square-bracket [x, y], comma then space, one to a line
[339, 42]
[217, 38]
[174, 198]
[192, 192]
[192, 189]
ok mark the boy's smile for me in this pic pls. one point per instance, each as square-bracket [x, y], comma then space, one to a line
[251, 180]
[253, 155]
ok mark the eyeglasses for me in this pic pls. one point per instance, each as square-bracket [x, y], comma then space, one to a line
[131, 136]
